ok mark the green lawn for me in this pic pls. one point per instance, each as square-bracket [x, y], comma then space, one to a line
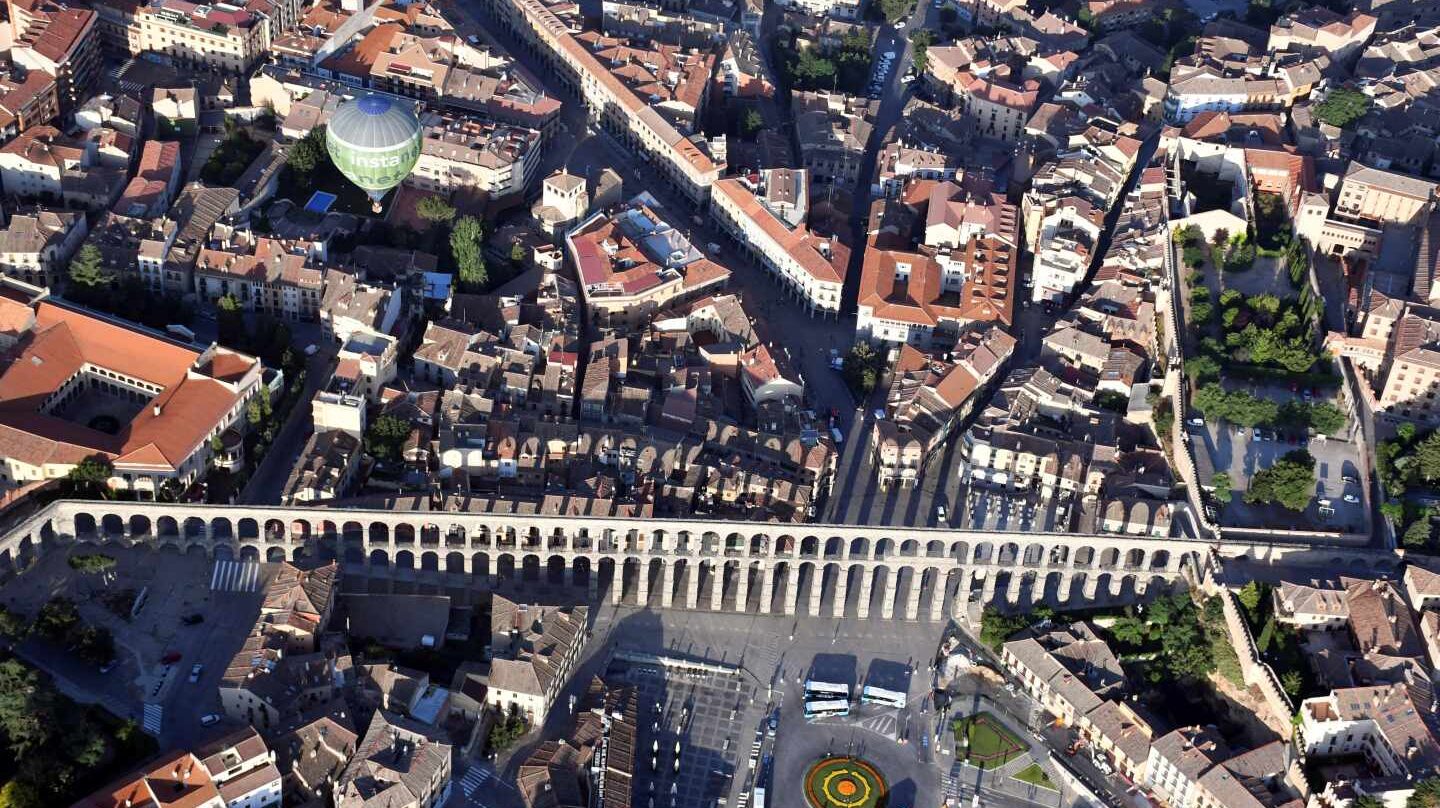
[990, 745]
[1035, 776]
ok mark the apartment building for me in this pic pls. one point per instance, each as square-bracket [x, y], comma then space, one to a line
[174, 778]
[399, 763]
[832, 130]
[268, 276]
[176, 398]
[27, 98]
[928, 397]
[533, 651]
[1383, 724]
[1374, 196]
[1192, 767]
[494, 162]
[768, 220]
[838, 9]
[1069, 236]
[243, 769]
[218, 36]
[995, 104]
[156, 180]
[1077, 679]
[634, 262]
[689, 163]
[37, 245]
[1322, 30]
[60, 41]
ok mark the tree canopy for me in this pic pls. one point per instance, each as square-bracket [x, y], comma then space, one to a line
[1342, 107]
[467, 239]
[434, 209]
[385, 439]
[1290, 482]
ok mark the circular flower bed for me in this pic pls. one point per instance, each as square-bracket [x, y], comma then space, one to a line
[844, 782]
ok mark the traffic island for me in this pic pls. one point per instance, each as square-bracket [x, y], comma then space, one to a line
[844, 782]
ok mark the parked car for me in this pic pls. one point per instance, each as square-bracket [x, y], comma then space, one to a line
[209, 719]
[193, 619]
[1351, 498]
[195, 671]
[170, 658]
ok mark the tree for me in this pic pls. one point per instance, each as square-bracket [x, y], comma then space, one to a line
[1417, 535]
[921, 39]
[23, 708]
[1394, 511]
[1289, 482]
[17, 794]
[751, 123]
[1130, 630]
[1342, 107]
[92, 563]
[1427, 457]
[1426, 794]
[87, 272]
[303, 158]
[1223, 491]
[1249, 596]
[860, 368]
[385, 439]
[996, 628]
[12, 625]
[89, 479]
[517, 254]
[434, 209]
[1367, 801]
[1326, 418]
[1406, 432]
[895, 10]
[466, 240]
[230, 321]
[1292, 682]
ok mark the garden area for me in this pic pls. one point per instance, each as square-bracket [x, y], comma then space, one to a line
[846, 69]
[91, 285]
[1278, 644]
[232, 156]
[57, 750]
[845, 782]
[308, 169]
[985, 743]
[1408, 466]
[1035, 775]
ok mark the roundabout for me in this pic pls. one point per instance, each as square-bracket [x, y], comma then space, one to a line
[844, 782]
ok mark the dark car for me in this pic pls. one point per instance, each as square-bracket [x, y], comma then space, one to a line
[193, 619]
[170, 658]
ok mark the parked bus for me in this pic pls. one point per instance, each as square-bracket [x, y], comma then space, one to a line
[825, 690]
[820, 709]
[879, 695]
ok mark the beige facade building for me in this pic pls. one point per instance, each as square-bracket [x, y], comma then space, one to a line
[279, 278]
[214, 37]
[768, 220]
[37, 245]
[530, 665]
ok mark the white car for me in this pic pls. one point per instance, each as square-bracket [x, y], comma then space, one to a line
[900, 26]
[209, 720]
[1351, 498]
[195, 671]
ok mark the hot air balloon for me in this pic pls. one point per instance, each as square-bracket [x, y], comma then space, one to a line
[374, 141]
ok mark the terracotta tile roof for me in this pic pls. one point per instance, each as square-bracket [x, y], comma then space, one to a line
[800, 243]
[165, 433]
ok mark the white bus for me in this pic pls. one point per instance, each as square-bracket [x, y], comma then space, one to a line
[879, 695]
[825, 690]
[820, 709]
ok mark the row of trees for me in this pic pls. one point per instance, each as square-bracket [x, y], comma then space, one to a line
[467, 241]
[1260, 330]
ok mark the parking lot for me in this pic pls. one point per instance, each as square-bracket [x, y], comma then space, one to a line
[1339, 497]
[180, 619]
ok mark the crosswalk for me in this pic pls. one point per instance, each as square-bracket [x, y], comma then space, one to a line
[235, 576]
[152, 721]
[475, 779]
